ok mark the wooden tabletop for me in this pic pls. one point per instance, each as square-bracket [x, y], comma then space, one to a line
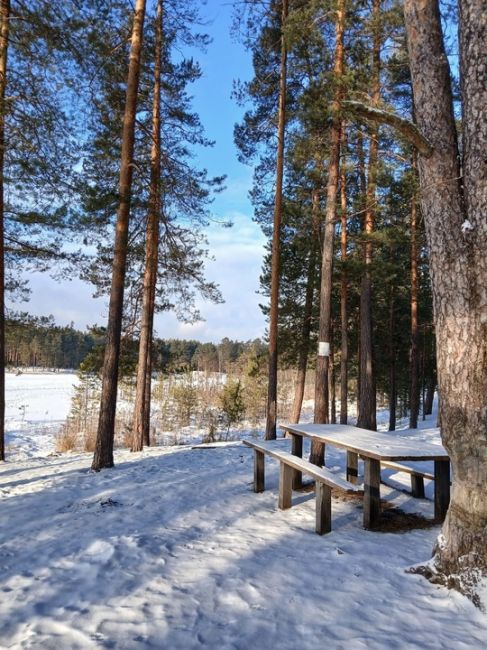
[373, 444]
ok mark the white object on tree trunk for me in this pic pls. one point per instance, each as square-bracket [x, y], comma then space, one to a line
[323, 349]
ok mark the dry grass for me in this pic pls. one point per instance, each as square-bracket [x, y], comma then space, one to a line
[67, 440]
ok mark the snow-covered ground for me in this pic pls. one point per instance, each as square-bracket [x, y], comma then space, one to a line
[171, 549]
[36, 406]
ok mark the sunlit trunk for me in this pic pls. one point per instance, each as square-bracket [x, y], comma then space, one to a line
[103, 456]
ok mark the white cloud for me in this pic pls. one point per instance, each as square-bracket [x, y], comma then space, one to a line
[236, 268]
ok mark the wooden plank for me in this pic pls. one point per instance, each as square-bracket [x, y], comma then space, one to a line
[381, 446]
[399, 467]
[442, 488]
[259, 471]
[297, 450]
[371, 492]
[319, 473]
[285, 486]
[352, 467]
[323, 508]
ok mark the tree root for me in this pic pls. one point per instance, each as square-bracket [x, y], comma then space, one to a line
[466, 582]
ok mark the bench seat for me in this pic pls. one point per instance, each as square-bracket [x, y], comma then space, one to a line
[417, 476]
[325, 480]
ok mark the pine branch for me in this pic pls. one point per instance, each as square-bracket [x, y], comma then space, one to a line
[404, 127]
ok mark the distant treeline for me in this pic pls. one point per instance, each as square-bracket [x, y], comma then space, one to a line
[32, 341]
[38, 342]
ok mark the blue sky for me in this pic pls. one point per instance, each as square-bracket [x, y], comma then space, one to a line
[237, 251]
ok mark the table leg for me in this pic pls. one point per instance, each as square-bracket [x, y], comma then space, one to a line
[442, 488]
[259, 473]
[352, 467]
[417, 486]
[297, 450]
[371, 492]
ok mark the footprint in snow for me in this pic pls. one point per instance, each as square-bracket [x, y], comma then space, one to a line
[99, 551]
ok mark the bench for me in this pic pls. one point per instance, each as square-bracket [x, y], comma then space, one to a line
[417, 477]
[325, 480]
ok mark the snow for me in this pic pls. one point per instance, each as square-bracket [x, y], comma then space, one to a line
[36, 406]
[172, 549]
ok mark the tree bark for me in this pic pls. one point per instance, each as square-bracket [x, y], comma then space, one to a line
[305, 333]
[332, 384]
[392, 365]
[414, 386]
[271, 420]
[141, 425]
[343, 293]
[321, 414]
[456, 229]
[103, 456]
[4, 34]
[367, 395]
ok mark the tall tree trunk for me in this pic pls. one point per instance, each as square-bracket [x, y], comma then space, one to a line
[332, 384]
[414, 388]
[362, 175]
[103, 456]
[321, 414]
[392, 365]
[4, 33]
[343, 293]
[367, 396]
[305, 332]
[271, 420]
[142, 396]
[457, 237]
[147, 398]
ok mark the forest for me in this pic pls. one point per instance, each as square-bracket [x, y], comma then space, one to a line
[364, 126]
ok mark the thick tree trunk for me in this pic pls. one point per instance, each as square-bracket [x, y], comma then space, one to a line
[103, 456]
[414, 387]
[141, 426]
[367, 396]
[4, 30]
[457, 237]
[343, 293]
[271, 420]
[321, 414]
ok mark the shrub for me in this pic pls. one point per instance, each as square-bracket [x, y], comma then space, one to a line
[232, 403]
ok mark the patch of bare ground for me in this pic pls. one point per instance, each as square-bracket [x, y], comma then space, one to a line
[395, 520]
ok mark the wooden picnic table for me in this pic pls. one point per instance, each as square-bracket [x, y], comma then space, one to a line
[375, 447]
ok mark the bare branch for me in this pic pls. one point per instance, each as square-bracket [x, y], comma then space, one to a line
[404, 127]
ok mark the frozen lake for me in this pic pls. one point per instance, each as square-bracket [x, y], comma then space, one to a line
[37, 404]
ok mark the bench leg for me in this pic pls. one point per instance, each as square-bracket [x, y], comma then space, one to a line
[259, 472]
[371, 492]
[442, 488]
[352, 467]
[285, 486]
[297, 450]
[417, 486]
[323, 508]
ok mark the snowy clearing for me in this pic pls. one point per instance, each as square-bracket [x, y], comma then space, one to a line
[172, 549]
[37, 404]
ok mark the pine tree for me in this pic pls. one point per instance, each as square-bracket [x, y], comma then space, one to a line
[143, 393]
[103, 456]
[321, 414]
